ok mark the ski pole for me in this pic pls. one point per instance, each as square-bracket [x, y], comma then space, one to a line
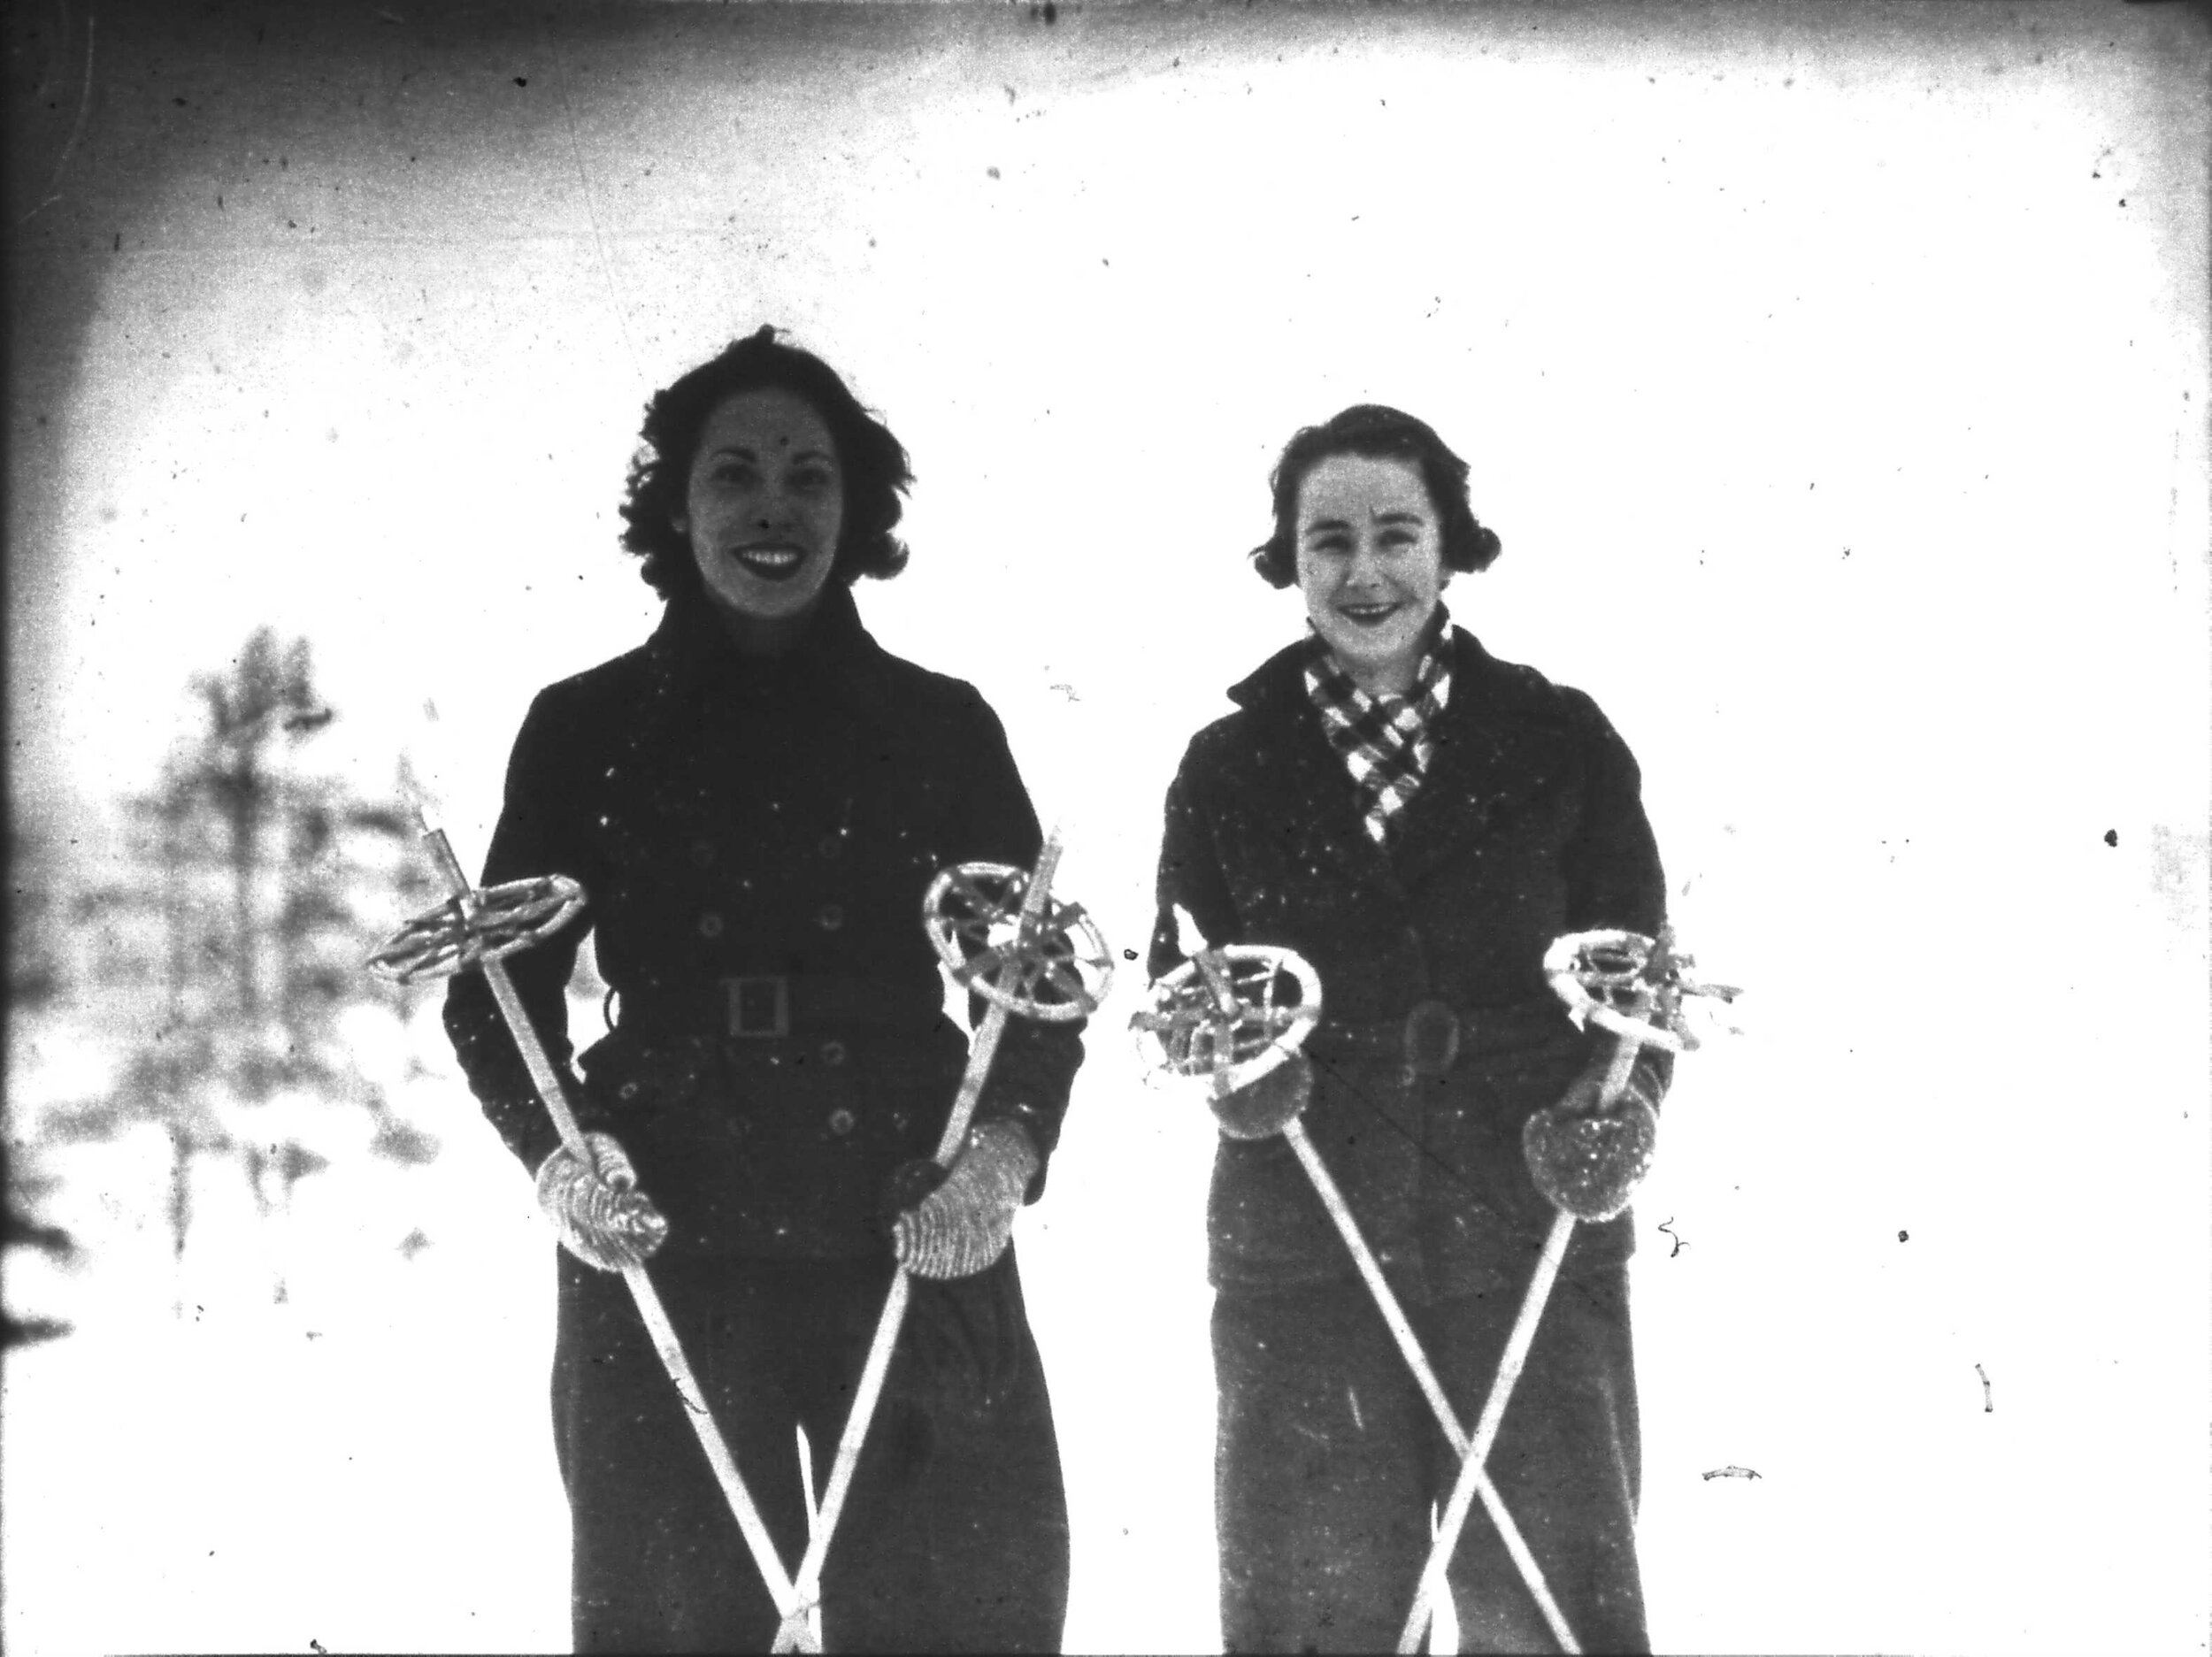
[1470, 1469]
[1646, 974]
[1471, 1452]
[1241, 1036]
[477, 929]
[1007, 974]
[813, 1642]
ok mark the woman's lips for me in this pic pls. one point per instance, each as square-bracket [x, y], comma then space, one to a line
[1367, 614]
[777, 563]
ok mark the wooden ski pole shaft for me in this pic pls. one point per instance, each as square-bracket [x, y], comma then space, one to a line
[813, 1641]
[665, 1343]
[1424, 1373]
[1486, 1435]
[1215, 975]
[807, 1583]
[1509, 1376]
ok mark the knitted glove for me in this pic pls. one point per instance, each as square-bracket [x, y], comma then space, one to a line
[1588, 1161]
[962, 1226]
[1266, 1107]
[601, 1216]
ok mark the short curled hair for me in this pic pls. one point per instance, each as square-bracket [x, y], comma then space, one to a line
[871, 461]
[1374, 432]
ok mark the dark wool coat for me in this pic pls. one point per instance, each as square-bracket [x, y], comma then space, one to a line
[760, 833]
[1528, 824]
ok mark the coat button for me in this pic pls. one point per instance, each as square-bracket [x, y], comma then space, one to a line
[701, 853]
[710, 924]
[832, 1053]
[840, 1122]
[832, 916]
[626, 1092]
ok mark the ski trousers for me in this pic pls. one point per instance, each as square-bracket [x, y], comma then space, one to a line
[1329, 1465]
[954, 1536]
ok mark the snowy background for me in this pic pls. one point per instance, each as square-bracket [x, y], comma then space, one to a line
[1836, 378]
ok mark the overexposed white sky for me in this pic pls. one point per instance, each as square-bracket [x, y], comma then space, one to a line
[1835, 378]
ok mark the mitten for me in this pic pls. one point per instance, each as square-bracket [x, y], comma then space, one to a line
[1266, 1107]
[964, 1225]
[1588, 1158]
[601, 1216]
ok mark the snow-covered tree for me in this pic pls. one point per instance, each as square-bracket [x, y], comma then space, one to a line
[250, 889]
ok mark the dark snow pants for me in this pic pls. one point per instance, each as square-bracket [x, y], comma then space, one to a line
[955, 1536]
[1329, 1463]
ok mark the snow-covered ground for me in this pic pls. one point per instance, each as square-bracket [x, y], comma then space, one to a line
[366, 1464]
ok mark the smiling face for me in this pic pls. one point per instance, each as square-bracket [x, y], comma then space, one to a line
[764, 505]
[1370, 563]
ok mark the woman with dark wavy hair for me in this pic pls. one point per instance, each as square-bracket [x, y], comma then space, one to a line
[1418, 820]
[755, 801]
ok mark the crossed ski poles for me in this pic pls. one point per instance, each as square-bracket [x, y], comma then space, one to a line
[476, 930]
[1218, 1016]
[1222, 1015]
[1007, 955]
[1639, 989]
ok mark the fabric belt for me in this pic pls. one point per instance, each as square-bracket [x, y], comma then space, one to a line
[767, 1005]
[1434, 1036]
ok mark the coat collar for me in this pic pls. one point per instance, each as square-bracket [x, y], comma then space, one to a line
[1497, 742]
[1297, 768]
[689, 656]
[1493, 684]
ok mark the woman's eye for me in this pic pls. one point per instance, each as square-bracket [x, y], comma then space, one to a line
[813, 482]
[733, 475]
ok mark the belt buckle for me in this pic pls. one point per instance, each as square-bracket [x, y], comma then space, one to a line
[1431, 1037]
[760, 1006]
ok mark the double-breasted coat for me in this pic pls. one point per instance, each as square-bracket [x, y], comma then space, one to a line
[1440, 1038]
[755, 837]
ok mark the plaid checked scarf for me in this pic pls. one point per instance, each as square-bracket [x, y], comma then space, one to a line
[1383, 740]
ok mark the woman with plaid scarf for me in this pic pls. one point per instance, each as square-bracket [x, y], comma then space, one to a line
[1418, 820]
